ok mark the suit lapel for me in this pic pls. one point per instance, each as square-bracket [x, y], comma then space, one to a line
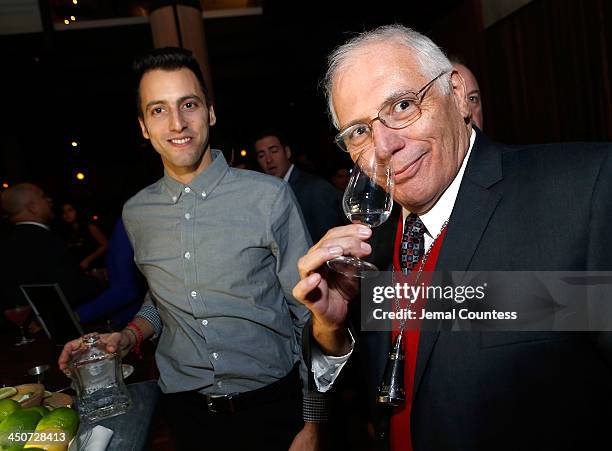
[471, 214]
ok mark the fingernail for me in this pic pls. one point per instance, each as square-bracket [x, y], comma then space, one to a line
[335, 250]
[364, 231]
[366, 247]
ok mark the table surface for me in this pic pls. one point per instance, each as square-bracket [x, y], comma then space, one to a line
[132, 429]
[16, 360]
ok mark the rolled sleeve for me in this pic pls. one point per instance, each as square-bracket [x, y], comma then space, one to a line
[149, 312]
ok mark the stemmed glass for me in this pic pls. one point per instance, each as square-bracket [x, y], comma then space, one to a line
[19, 315]
[367, 200]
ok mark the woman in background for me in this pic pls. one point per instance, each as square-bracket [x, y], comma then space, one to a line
[85, 240]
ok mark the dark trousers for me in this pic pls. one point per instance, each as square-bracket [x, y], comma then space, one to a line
[267, 425]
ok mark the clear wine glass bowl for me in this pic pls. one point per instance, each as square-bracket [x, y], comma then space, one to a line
[367, 200]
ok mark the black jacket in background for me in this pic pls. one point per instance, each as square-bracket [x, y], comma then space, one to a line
[32, 254]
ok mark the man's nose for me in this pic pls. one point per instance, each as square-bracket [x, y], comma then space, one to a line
[177, 122]
[386, 140]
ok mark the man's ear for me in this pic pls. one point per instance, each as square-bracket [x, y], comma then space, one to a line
[212, 118]
[460, 95]
[143, 128]
[288, 152]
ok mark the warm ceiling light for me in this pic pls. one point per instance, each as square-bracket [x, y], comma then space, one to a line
[66, 21]
[72, 18]
[74, 2]
[5, 185]
[74, 143]
[243, 153]
[80, 176]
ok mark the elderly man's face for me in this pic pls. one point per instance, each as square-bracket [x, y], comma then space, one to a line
[428, 153]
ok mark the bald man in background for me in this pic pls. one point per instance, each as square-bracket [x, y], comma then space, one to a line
[31, 253]
[472, 92]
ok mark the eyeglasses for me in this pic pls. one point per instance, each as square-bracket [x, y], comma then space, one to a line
[396, 113]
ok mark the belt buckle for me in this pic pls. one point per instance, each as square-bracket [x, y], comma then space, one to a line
[220, 403]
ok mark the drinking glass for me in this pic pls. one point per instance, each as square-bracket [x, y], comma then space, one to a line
[367, 200]
[19, 315]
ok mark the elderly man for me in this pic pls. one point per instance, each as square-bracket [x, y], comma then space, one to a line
[319, 202]
[32, 253]
[473, 205]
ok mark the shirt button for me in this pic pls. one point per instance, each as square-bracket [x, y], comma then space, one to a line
[194, 294]
[203, 194]
[187, 216]
[215, 355]
[204, 322]
[187, 189]
[187, 255]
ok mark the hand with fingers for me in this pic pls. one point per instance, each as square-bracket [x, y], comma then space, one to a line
[326, 293]
[120, 342]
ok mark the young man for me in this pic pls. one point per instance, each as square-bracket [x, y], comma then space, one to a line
[536, 208]
[218, 247]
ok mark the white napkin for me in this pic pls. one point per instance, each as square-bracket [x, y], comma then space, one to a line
[96, 439]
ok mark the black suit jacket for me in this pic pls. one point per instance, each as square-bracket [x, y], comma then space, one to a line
[32, 254]
[546, 207]
[319, 202]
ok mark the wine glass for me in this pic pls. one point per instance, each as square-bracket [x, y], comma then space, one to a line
[367, 200]
[19, 315]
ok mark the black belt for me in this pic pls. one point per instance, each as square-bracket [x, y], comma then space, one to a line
[234, 402]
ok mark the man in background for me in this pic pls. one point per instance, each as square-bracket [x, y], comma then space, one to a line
[472, 90]
[32, 254]
[319, 202]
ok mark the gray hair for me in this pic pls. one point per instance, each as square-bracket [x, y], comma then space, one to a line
[428, 55]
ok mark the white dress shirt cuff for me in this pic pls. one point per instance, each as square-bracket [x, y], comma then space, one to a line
[326, 367]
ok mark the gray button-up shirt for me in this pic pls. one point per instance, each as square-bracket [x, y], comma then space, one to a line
[220, 256]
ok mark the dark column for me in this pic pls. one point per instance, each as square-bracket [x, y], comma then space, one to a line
[180, 24]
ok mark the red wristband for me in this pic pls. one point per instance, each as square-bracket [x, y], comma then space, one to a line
[139, 337]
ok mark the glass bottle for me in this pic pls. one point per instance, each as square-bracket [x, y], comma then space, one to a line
[97, 374]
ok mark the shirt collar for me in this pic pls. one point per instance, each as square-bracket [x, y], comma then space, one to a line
[288, 174]
[435, 218]
[44, 226]
[204, 183]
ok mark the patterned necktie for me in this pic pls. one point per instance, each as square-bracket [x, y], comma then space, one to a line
[413, 243]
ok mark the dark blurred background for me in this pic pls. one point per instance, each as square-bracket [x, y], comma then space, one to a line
[544, 68]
